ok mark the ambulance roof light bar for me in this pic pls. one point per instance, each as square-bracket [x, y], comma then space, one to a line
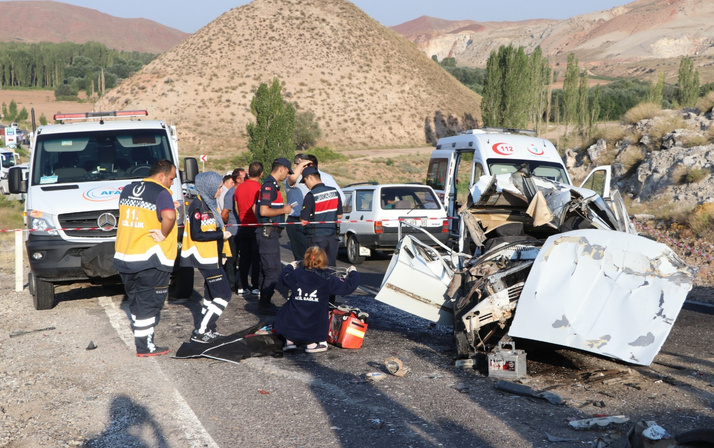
[88, 115]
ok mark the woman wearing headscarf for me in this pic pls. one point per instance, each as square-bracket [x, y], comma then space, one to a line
[202, 248]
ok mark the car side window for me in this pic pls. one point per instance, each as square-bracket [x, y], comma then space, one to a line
[347, 206]
[363, 200]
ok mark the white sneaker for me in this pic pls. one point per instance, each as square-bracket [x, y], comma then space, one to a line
[255, 292]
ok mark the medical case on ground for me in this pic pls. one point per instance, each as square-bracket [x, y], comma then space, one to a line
[347, 327]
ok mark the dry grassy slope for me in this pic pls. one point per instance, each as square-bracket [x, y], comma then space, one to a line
[45, 21]
[367, 85]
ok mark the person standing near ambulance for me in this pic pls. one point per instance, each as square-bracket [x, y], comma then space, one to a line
[270, 210]
[203, 244]
[145, 251]
[321, 209]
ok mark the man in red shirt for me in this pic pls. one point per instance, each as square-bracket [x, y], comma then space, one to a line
[246, 196]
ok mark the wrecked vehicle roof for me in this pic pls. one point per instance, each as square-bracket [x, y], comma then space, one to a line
[604, 292]
[564, 261]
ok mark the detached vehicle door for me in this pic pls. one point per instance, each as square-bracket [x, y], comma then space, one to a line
[599, 181]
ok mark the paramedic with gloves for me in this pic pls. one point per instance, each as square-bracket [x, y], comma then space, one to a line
[304, 319]
[204, 241]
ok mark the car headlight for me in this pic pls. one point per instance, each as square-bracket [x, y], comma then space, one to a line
[41, 223]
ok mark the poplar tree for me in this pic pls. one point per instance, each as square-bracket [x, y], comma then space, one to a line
[583, 105]
[688, 81]
[656, 90]
[515, 86]
[272, 135]
[570, 91]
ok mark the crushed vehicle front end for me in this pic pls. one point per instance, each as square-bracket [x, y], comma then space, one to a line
[548, 262]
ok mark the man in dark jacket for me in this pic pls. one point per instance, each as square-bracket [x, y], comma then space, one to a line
[321, 208]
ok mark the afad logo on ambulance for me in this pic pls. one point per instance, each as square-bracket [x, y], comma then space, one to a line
[102, 194]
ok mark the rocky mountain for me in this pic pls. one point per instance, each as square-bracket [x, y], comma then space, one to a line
[49, 21]
[608, 40]
[367, 86]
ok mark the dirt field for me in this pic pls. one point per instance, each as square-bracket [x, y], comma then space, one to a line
[43, 101]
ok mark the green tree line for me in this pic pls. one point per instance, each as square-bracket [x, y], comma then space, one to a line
[516, 93]
[48, 65]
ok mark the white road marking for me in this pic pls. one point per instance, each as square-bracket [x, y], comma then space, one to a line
[194, 431]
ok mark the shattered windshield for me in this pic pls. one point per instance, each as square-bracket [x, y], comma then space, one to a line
[547, 170]
[91, 156]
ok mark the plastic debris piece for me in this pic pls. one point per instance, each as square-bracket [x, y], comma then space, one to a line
[552, 438]
[461, 387]
[520, 389]
[264, 392]
[655, 432]
[395, 366]
[598, 422]
[375, 376]
[464, 363]
[91, 346]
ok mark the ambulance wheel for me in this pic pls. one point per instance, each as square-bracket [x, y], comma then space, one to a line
[353, 255]
[44, 296]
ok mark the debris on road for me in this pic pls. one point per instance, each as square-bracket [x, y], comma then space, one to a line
[375, 376]
[395, 366]
[555, 439]
[526, 391]
[598, 422]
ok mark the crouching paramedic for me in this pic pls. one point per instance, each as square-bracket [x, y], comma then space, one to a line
[203, 244]
[145, 251]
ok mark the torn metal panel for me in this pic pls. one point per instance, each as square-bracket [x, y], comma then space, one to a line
[416, 281]
[605, 292]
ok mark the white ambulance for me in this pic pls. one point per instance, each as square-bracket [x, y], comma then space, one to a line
[458, 162]
[77, 172]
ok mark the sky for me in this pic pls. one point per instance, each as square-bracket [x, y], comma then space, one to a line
[191, 15]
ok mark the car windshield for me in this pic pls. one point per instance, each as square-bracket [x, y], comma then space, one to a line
[408, 198]
[548, 170]
[91, 156]
[8, 159]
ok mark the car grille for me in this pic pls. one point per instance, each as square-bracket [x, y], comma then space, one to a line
[87, 222]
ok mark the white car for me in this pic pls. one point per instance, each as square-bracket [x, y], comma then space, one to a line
[375, 216]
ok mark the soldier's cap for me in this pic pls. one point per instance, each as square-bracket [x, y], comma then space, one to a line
[286, 163]
[309, 170]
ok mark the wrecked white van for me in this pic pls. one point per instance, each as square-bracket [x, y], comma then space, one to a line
[553, 263]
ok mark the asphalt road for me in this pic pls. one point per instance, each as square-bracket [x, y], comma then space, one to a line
[325, 399]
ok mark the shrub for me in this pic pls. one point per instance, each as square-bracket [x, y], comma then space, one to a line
[611, 134]
[641, 112]
[694, 175]
[325, 154]
[662, 127]
[701, 220]
[631, 156]
[706, 102]
[692, 140]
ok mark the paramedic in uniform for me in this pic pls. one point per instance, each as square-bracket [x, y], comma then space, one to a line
[270, 209]
[203, 246]
[321, 203]
[146, 249]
